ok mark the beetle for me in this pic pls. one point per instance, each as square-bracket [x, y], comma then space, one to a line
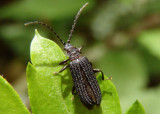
[83, 75]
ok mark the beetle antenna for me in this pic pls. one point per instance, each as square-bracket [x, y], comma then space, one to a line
[47, 26]
[75, 21]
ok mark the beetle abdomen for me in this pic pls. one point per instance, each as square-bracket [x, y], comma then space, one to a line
[85, 82]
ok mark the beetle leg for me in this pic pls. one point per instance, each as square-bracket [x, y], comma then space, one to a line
[63, 62]
[61, 69]
[98, 70]
[73, 91]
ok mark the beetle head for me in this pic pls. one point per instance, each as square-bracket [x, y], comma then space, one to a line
[72, 51]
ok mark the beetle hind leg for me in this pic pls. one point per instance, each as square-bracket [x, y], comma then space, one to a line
[98, 70]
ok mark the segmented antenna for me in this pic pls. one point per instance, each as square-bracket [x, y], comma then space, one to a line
[47, 26]
[75, 21]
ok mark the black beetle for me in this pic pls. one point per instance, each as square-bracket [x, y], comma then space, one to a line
[83, 76]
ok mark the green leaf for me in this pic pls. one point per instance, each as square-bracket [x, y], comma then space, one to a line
[44, 88]
[50, 93]
[136, 108]
[150, 40]
[10, 102]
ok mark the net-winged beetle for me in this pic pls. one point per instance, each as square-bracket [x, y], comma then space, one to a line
[85, 83]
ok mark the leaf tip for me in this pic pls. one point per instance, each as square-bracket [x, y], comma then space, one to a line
[137, 102]
[136, 108]
[36, 32]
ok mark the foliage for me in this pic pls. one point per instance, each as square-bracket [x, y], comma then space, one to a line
[52, 94]
[136, 108]
[120, 37]
[10, 102]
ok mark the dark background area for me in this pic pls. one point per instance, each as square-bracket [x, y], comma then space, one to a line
[120, 37]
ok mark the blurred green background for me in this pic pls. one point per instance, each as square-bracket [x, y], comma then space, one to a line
[120, 37]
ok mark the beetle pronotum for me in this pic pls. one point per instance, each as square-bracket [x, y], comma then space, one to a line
[85, 83]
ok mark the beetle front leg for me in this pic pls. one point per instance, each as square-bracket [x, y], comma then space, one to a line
[61, 69]
[64, 62]
[98, 70]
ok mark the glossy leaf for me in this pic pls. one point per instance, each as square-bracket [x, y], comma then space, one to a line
[50, 93]
[136, 108]
[10, 102]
